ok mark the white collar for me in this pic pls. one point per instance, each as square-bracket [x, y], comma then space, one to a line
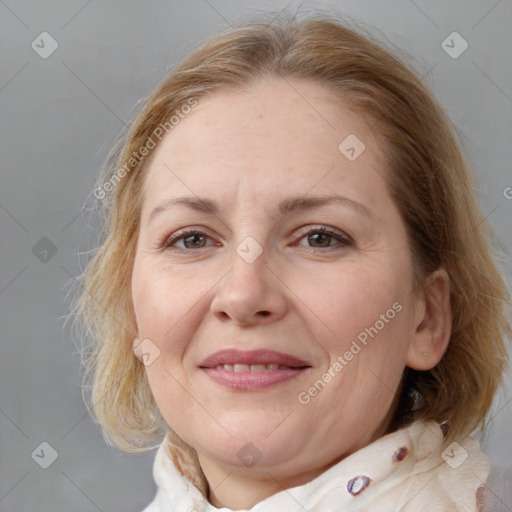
[410, 470]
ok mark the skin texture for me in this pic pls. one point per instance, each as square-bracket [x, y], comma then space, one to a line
[306, 294]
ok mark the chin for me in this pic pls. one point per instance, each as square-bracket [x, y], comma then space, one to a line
[255, 449]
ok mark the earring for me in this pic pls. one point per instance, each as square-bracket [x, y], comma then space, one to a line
[424, 355]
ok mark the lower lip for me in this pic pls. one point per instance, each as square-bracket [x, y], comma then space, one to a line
[252, 380]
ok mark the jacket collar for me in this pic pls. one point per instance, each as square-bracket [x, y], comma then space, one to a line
[409, 470]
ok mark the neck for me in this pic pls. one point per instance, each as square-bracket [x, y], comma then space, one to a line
[238, 492]
[242, 489]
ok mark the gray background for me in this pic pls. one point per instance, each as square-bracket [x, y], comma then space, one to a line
[59, 118]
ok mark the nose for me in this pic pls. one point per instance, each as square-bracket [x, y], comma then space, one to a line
[250, 294]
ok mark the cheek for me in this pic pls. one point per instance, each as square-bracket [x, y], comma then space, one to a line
[162, 299]
[364, 332]
[162, 302]
[372, 326]
[351, 302]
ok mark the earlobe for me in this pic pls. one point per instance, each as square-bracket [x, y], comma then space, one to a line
[434, 325]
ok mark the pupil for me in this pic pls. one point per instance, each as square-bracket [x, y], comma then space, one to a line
[194, 240]
[319, 238]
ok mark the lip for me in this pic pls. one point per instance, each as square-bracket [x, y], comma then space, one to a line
[233, 356]
[290, 367]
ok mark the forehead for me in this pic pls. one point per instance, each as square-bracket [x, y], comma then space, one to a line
[280, 135]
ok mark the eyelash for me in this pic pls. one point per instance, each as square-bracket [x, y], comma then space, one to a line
[344, 240]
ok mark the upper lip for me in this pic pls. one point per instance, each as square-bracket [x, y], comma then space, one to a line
[233, 356]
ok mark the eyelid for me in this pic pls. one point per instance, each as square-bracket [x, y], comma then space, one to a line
[312, 228]
[167, 241]
[180, 234]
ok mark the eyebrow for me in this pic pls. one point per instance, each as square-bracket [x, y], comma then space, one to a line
[292, 204]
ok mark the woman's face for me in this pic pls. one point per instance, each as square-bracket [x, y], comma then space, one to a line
[273, 281]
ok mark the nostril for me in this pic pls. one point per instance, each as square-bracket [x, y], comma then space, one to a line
[264, 313]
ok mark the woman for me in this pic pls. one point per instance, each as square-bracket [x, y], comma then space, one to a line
[294, 285]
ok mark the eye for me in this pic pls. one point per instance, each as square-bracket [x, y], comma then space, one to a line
[189, 238]
[324, 238]
[318, 238]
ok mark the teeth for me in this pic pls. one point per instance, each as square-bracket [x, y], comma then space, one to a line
[238, 367]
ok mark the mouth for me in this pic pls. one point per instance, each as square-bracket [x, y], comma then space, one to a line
[252, 370]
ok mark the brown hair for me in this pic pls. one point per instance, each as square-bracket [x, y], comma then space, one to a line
[428, 178]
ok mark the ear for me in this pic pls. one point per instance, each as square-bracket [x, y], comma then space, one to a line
[433, 323]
